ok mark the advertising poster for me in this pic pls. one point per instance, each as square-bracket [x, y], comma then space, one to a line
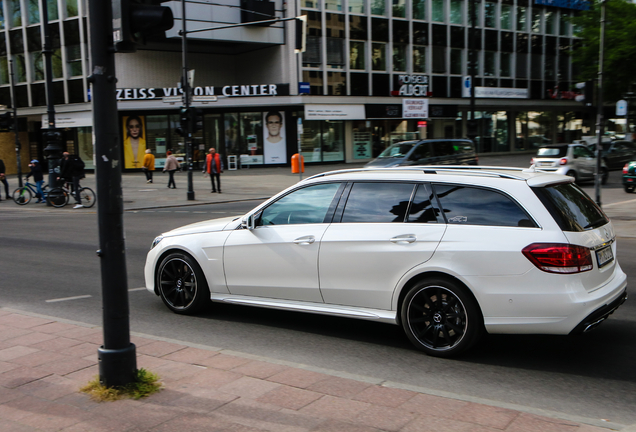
[134, 141]
[275, 148]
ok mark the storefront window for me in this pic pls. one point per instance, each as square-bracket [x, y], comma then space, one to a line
[85, 146]
[570, 127]
[251, 136]
[494, 132]
[231, 127]
[212, 137]
[533, 129]
[322, 141]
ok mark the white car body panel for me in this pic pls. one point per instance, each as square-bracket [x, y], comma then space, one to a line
[361, 263]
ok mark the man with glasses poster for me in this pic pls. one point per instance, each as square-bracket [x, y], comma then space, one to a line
[275, 144]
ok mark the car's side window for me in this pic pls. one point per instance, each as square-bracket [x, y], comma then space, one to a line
[443, 148]
[422, 151]
[424, 208]
[378, 202]
[479, 206]
[308, 205]
[580, 151]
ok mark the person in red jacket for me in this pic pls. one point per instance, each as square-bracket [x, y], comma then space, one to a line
[214, 167]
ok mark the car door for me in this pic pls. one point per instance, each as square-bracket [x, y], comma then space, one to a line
[444, 152]
[372, 242]
[279, 257]
[585, 161]
[420, 155]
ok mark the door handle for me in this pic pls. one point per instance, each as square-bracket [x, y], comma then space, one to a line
[306, 240]
[406, 238]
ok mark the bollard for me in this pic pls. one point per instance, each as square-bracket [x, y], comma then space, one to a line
[295, 164]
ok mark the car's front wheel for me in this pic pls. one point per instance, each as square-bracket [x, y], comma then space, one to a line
[441, 318]
[181, 284]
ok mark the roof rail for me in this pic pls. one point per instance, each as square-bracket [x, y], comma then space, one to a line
[434, 169]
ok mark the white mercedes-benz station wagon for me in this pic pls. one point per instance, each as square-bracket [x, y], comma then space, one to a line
[446, 252]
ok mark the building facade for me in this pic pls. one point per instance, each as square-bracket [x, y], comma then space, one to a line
[374, 72]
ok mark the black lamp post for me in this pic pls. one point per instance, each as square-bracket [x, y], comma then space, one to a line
[472, 123]
[186, 126]
[15, 125]
[599, 110]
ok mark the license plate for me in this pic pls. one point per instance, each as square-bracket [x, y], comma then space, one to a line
[604, 256]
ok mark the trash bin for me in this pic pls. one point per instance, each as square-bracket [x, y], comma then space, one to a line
[295, 164]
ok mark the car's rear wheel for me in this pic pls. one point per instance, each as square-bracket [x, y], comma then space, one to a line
[629, 188]
[441, 318]
[181, 284]
[572, 173]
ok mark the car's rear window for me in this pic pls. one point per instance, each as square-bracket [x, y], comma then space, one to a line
[554, 152]
[571, 208]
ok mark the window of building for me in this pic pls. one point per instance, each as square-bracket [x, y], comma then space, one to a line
[564, 24]
[506, 17]
[71, 8]
[522, 18]
[549, 17]
[314, 78]
[33, 11]
[15, 13]
[490, 61]
[400, 32]
[550, 66]
[37, 65]
[357, 27]
[4, 70]
[399, 57]
[1, 17]
[378, 57]
[419, 59]
[359, 84]
[522, 65]
[312, 4]
[457, 12]
[438, 12]
[564, 67]
[419, 9]
[378, 7]
[336, 84]
[312, 55]
[335, 5]
[536, 20]
[399, 8]
[356, 6]
[73, 49]
[490, 14]
[52, 9]
[19, 68]
[322, 141]
[356, 55]
[377, 202]
[536, 67]
[456, 61]
[505, 64]
[379, 30]
[439, 59]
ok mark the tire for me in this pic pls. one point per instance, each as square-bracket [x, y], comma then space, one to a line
[57, 197]
[181, 284]
[441, 318]
[629, 188]
[572, 173]
[87, 197]
[22, 196]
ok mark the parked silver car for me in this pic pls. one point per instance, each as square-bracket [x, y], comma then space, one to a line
[574, 160]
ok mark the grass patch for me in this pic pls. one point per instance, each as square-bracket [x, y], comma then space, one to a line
[146, 383]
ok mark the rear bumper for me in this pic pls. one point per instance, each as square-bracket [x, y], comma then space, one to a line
[594, 319]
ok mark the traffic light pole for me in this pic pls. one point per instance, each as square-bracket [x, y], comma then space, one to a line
[472, 124]
[187, 127]
[15, 125]
[599, 110]
[117, 356]
[53, 149]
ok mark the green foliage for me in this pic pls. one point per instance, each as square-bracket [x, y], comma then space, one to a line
[619, 47]
[146, 384]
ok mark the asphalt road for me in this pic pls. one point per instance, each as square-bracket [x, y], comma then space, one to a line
[49, 267]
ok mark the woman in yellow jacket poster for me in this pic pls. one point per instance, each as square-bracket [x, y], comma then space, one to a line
[134, 143]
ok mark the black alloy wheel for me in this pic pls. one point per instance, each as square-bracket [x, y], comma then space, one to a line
[181, 284]
[440, 318]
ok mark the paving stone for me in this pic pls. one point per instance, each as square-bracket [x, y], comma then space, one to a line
[249, 387]
[190, 355]
[65, 366]
[499, 418]
[22, 321]
[53, 327]
[224, 361]
[57, 344]
[20, 376]
[158, 348]
[259, 369]
[213, 378]
[433, 405]
[297, 377]
[290, 397]
[335, 408]
[15, 352]
[342, 387]
[385, 418]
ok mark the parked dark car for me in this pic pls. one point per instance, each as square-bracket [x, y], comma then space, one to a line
[629, 176]
[427, 152]
[616, 153]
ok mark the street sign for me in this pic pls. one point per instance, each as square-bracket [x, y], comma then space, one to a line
[621, 107]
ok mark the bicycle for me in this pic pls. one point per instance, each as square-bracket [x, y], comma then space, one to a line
[23, 195]
[60, 196]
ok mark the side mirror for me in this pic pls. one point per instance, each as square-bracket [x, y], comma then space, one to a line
[248, 222]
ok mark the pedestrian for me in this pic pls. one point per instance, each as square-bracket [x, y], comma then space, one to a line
[72, 171]
[3, 179]
[214, 167]
[172, 165]
[38, 178]
[149, 165]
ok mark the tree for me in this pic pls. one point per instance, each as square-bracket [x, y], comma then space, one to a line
[619, 47]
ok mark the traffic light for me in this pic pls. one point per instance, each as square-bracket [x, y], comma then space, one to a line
[6, 122]
[197, 120]
[184, 119]
[301, 33]
[588, 92]
[132, 20]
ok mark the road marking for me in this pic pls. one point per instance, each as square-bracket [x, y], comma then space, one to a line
[68, 298]
[137, 289]
[619, 203]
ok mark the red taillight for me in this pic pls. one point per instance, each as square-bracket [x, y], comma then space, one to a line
[563, 161]
[532, 161]
[626, 169]
[559, 257]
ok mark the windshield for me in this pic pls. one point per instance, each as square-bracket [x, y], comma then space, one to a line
[397, 150]
[572, 209]
[553, 152]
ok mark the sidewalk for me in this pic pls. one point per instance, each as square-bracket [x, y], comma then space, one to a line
[43, 362]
